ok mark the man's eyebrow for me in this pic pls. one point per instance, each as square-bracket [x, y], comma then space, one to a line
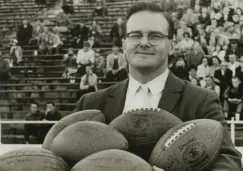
[151, 32]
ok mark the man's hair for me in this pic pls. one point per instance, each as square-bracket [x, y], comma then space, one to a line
[53, 104]
[152, 7]
[193, 67]
[208, 76]
[37, 104]
[186, 33]
[236, 77]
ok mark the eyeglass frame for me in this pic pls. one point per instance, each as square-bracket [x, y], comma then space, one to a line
[148, 35]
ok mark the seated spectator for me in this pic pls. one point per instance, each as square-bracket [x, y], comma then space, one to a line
[192, 71]
[231, 31]
[116, 65]
[190, 18]
[222, 77]
[99, 64]
[24, 33]
[218, 38]
[219, 52]
[184, 4]
[45, 41]
[169, 5]
[180, 69]
[69, 60]
[63, 23]
[196, 54]
[80, 33]
[34, 129]
[211, 85]
[212, 27]
[203, 70]
[94, 42]
[51, 114]
[4, 69]
[38, 28]
[56, 42]
[239, 70]
[233, 64]
[176, 21]
[95, 31]
[118, 32]
[234, 48]
[215, 66]
[233, 100]
[183, 28]
[100, 8]
[68, 7]
[186, 43]
[204, 19]
[88, 82]
[16, 53]
[86, 56]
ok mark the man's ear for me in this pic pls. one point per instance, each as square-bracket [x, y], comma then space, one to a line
[124, 45]
[171, 48]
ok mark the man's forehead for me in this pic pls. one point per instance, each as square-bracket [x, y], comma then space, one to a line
[146, 21]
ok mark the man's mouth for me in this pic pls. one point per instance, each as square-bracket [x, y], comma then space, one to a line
[145, 53]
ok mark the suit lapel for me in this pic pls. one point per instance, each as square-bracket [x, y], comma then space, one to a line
[115, 101]
[171, 93]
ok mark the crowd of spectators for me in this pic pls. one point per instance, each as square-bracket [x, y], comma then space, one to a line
[206, 49]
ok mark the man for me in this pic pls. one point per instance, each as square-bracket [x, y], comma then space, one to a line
[233, 100]
[24, 33]
[118, 32]
[4, 69]
[80, 33]
[88, 82]
[146, 49]
[16, 53]
[51, 114]
[211, 85]
[239, 70]
[86, 56]
[69, 60]
[116, 65]
[233, 64]
[45, 41]
[34, 129]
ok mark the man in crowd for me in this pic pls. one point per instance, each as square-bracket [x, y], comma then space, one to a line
[69, 60]
[24, 33]
[118, 32]
[88, 82]
[86, 56]
[151, 84]
[45, 41]
[116, 65]
[51, 114]
[16, 53]
[211, 85]
[100, 8]
[233, 100]
[34, 129]
[233, 64]
[80, 33]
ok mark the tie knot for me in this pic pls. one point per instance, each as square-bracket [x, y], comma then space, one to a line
[145, 88]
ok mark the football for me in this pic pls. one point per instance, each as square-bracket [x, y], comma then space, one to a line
[85, 115]
[32, 159]
[81, 139]
[112, 160]
[193, 145]
[143, 128]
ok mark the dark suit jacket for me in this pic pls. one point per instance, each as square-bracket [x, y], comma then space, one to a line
[115, 33]
[224, 79]
[82, 33]
[24, 34]
[180, 98]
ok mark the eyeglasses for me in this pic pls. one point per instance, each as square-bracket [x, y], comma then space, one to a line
[154, 38]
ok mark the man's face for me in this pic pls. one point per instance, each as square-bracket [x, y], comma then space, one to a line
[119, 21]
[25, 22]
[50, 107]
[88, 69]
[236, 18]
[115, 50]
[33, 108]
[144, 55]
[235, 82]
[214, 23]
[232, 58]
[224, 65]
[86, 48]
[208, 81]
[193, 73]
[205, 62]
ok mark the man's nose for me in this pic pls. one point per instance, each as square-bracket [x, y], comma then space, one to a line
[144, 42]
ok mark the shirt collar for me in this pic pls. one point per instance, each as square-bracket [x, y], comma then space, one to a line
[156, 85]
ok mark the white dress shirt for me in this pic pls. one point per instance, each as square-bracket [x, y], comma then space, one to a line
[233, 66]
[84, 57]
[136, 93]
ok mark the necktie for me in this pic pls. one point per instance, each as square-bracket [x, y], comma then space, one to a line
[146, 99]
